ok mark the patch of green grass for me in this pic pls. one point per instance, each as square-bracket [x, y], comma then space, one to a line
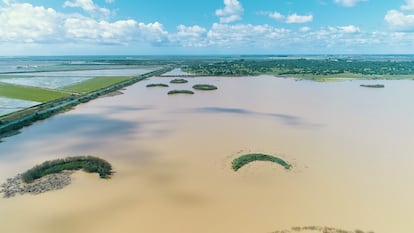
[204, 87]
[157, 85]
[29, 93]
[246, 159]
[173, 92]
[87, 163]
[179, 81]
[95, 84]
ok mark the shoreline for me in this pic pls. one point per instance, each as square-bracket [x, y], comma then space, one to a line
[10, 124]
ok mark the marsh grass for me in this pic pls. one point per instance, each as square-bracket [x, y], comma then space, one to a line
[204, 87]
[248, 158]
[157, 85]
[174, 92]
[87, 163]
[178, 81]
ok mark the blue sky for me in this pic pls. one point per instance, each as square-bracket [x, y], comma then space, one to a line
[143, 27]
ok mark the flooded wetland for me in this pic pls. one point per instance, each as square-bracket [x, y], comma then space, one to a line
[350, 149]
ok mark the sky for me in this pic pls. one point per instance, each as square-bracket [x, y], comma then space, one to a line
[196, 27]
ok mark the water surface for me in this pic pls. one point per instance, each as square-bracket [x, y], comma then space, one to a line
[351, 148]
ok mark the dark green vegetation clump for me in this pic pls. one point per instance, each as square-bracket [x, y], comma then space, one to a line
[157, 85]
[179, 81]
[245, 159]
[87, 163]
[321, 229]
[173, 92]
[373, 85]
[310, 68]
[204, 87]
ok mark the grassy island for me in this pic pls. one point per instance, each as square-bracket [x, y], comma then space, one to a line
[86, 163]
[157, 85]
[173, 92]
[245, 159]
[373, 85]
[204, 87]
[179, 81]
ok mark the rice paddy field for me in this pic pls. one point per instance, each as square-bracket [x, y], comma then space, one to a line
[26, 82]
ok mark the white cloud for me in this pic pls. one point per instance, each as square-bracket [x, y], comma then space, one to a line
[90, 30]
[349, 29]
[26, 23]
[276, 15]
[109, 1]
[304, 29]
[7, 2]
[348, 3]
[190, 36]
[295, 18]
[231, 12]
[245, 35]
[88, 6]
[153, 32]
[408, 6]
[399, 21]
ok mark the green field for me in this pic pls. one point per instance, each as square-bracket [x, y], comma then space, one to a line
[95, 84]
[29, 93]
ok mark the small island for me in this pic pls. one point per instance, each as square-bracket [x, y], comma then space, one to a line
[174, 92]
[179, 81]
[53, 175]
[157, 85]
[322, 229]
[248, 158]
[204, 87]
[373, 85]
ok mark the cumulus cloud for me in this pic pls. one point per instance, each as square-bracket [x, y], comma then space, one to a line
[399, 21]
[351, 29]
[276, 15]
[304, 29]
[408, 6]
[88, 6]
[244, 35]
[90, 30]
[293, 18]
[27, 23]
[153, 32]
[348, 3]
[190, 36]
[231, 12]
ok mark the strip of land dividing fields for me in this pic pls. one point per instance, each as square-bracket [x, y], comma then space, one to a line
[87, 91]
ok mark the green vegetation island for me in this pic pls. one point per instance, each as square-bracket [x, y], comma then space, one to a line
[248, 158]
[53, 175]
[174, 92]
[179, 81]
[321, 229]
[373, 85]
[157, 85]
[204, 87]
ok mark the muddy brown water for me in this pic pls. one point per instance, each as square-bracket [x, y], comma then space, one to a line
[351, 147]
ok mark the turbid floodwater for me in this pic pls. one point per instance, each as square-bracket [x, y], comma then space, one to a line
[351, 149]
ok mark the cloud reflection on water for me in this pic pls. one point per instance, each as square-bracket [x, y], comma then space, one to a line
[284, 118]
